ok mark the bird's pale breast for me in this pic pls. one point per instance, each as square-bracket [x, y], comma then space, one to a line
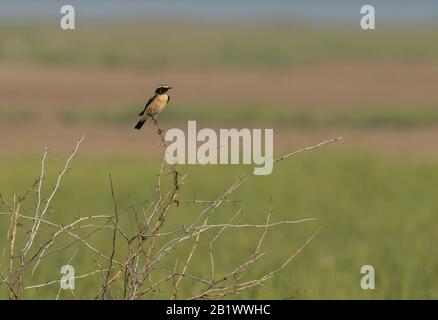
[159, 103]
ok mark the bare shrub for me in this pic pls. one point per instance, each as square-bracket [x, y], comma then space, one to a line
[135, 266]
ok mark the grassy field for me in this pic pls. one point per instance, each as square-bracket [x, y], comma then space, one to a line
[371, 211]
[404, 118]
[201, 45]
[375, 88]
[252, 116]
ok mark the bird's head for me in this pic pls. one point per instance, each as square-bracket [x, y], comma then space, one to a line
[162, 89]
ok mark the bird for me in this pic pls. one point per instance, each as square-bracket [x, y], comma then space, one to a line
[155, 105]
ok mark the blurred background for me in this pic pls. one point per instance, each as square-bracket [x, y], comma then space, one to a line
[304, 68]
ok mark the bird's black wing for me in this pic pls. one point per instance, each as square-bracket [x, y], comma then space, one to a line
[148, 103]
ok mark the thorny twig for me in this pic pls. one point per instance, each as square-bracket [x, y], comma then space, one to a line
[138, 271]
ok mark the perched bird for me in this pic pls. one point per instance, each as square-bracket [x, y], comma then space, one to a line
[154, 106]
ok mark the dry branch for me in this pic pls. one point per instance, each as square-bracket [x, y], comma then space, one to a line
[139, 271]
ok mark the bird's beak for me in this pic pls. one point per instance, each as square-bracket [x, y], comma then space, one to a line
[170, 88]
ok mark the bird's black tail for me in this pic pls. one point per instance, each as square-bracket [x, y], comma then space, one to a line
[140, 124]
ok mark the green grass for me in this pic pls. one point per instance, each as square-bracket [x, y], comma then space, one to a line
[403, 117]
[362, 118]
[190, 44]
[19, 116]
[372, 211]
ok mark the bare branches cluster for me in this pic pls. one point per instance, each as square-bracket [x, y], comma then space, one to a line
[143, 257]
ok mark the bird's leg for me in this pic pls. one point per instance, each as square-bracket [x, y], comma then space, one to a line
[154, 118]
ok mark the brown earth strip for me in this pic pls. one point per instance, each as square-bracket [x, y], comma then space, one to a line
[336, 85]
[120, 141]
